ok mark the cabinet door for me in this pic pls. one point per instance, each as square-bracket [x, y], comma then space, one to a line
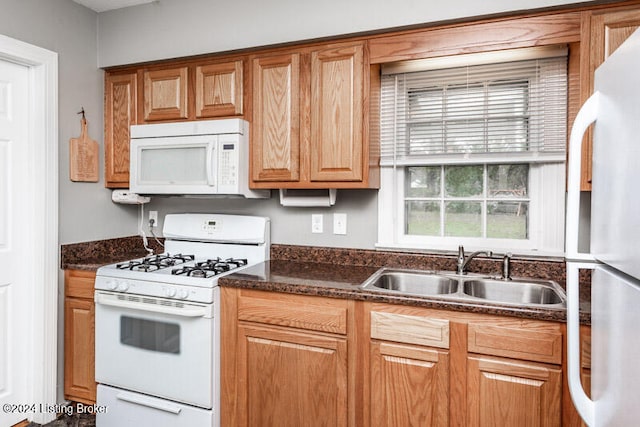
[219, 89]
[165, 94]
[409, 385]
[607, 31]
[120, 112]
[289, 378]
[79, 350]
[503, 392]
[275, 132]
[337, 97]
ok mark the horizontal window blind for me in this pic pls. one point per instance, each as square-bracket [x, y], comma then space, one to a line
[510, 111]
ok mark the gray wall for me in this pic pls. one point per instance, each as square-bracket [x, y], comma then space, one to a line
[86, 212]
[174, 28]
[292, 225]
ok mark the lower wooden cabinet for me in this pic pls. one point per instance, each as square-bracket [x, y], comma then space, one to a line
[79, 337]
[303, 360]
[409, 385]
[287, 360]
[292, 378]
[505, 392]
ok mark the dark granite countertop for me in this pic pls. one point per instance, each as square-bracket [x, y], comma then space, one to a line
[92, 255]
[339, 272]
[343, 281]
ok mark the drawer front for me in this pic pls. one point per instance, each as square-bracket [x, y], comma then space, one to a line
[296, 311]
[536, 341]
[410, 329]
[79, 283]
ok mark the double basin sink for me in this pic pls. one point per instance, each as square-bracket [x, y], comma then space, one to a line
[470, 288]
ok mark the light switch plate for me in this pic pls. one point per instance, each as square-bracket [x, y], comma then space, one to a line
[339, 223]
[316, 223]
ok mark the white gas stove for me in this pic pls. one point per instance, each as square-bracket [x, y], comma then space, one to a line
[157, 322]
[199, 249]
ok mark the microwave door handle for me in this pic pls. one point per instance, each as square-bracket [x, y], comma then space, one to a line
[148, 402]
[211, 148]
[133, 305]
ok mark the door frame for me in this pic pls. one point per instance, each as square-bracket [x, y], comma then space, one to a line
[42, 212]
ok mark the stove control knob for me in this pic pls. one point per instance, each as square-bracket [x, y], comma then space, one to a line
[123, 286]
[183, 294]
[170, 292]
[112, 285]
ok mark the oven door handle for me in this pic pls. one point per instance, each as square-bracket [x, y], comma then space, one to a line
[148, 402]
[186, 311]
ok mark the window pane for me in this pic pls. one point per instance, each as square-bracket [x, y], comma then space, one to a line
[423, 218]
[422, 181]
[463, 181]
[463, 219]
[425, 104]
[425, 138]
[508, 220]
[465, 101]
[508, 180]
[465, 136]
[508, 98]
[507, 135]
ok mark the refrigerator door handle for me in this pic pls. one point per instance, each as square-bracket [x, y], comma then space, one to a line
[586, 116]
[584, 405]
[575, 260]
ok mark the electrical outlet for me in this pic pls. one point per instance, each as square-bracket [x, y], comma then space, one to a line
[316, 223]
[153, 218]
[339, 223]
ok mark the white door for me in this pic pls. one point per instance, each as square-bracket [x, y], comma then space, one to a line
[14, 295]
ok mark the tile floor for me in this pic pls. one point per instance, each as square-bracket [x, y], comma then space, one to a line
[75, 420]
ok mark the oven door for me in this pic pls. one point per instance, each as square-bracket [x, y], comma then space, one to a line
[156, 346]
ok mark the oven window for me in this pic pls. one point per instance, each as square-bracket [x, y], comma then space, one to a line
[150, 335]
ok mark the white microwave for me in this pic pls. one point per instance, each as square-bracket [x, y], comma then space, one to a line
[191, 158]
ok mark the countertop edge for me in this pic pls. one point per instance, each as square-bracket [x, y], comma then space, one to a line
[555, 315]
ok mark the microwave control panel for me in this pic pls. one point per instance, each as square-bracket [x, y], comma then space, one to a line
[227, 166]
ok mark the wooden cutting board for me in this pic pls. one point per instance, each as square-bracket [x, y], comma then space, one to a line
[83, 157]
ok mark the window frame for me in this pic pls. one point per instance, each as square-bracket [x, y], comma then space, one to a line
[547, 159]
[546, 232]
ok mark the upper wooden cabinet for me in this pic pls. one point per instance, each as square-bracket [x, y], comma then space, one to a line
[337, 92]
[165, 94]
[275, 131]
[311, 118]
[120, 112]
[219, 89]
[603, 32]
[192, 91]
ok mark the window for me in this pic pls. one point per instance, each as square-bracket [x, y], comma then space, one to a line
[475, 155]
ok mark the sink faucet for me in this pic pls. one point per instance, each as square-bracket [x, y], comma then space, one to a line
[462, 261]
[506, 266]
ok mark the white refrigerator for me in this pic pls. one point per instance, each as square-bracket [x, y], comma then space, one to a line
[614, 257]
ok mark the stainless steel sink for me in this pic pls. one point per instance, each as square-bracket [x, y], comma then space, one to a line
[411, 282]
[469, 288]
[515, 291]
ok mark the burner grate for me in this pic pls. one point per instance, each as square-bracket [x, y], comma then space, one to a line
[210, 267]
[155, 262]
